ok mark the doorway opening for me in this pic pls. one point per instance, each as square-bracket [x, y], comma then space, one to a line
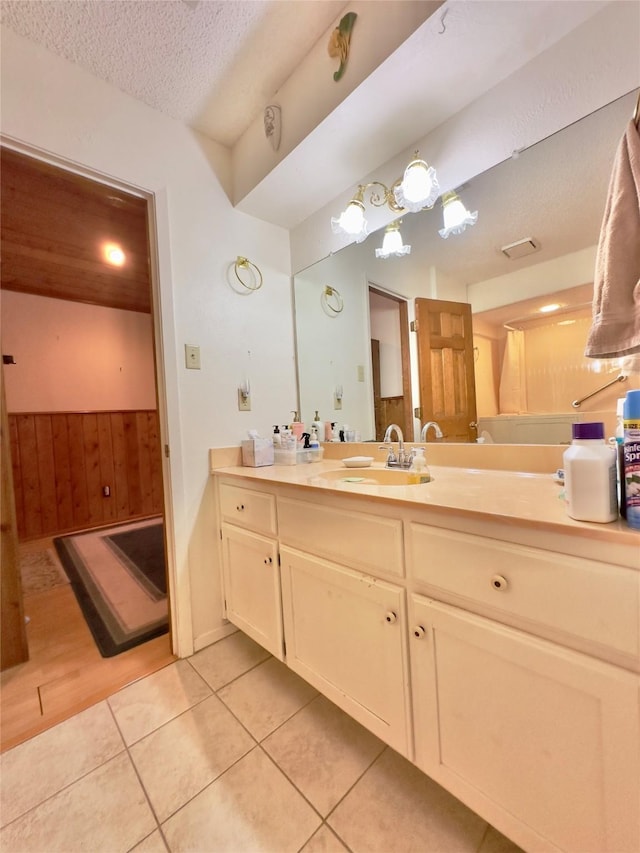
[390, 363]
[83, 397]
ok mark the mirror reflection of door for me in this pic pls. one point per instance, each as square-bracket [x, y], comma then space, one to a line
[446, 367]
[391, 372]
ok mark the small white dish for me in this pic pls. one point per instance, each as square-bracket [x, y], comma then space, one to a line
[357, 461]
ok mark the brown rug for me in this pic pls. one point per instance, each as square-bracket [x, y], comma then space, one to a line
[40, 571]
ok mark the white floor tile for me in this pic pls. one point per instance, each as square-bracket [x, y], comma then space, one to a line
[44, 765]
[495, 842]
[227, 659]
[323, 751]
[324, 841]
[252, 807]
[266, 697]
[153, 843]
[396, 807]
[104, 812]
[147, 704]
[178, 760]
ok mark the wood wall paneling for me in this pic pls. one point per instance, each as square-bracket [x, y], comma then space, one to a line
[63, 461]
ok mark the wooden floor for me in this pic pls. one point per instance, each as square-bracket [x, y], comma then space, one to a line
[65, 672]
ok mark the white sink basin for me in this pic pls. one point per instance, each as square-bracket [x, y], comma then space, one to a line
[370, 477]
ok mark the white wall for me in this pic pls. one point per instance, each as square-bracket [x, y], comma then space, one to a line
[592, 66]
[52, 107]
[74, 357]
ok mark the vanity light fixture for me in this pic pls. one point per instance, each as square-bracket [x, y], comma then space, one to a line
[547, 309]
[417, 190]
[392, 243]
[456, 216]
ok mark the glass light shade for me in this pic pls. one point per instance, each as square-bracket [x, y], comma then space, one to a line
[456, 216]
[419, 187]
[351, 221]
[392, 244]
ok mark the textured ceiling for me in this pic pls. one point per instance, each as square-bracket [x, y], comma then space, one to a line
[211, 64]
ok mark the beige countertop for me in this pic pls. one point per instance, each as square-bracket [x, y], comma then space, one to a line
[531, 499]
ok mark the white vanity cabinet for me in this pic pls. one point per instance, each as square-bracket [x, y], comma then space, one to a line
[510, 714]
[346, 634]
[250, 570]
[540, 740]
[502, 658]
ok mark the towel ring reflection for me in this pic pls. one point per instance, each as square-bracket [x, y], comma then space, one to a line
[332, 299]
[245, 264]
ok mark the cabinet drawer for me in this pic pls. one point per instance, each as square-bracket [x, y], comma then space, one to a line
[368, 542]
[246, 508]
[589, 600]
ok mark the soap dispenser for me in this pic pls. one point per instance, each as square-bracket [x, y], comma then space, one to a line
[418, 471]
[297, 427]
[277, 438]
[318, 426]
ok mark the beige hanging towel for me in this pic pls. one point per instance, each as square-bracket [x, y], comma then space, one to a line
[615, 325]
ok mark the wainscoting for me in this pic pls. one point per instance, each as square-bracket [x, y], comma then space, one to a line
[63, 461]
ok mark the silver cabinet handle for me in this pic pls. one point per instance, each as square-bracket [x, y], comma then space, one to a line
[419, 632]
[499, 582]
[391, 617]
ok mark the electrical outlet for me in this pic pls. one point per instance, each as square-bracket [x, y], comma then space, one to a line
[337, 402]
[192, 357]
[244, 402]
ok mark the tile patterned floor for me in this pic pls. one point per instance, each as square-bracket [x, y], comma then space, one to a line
[226, 751]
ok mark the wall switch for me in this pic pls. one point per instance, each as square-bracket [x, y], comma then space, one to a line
[244, 401]
[361, 373]
[192, 357]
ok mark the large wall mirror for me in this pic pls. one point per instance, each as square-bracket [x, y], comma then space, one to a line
[529, 366]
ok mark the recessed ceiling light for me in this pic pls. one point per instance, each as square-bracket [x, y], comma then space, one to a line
[114, 255]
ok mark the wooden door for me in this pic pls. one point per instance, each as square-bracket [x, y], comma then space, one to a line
[345, 635]
[446, 369]
[14, 635]
[541, 740]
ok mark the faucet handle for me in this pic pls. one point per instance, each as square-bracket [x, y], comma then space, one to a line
[389, 448]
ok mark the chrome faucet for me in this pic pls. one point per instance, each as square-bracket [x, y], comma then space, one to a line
[402, 460]
[425, 430]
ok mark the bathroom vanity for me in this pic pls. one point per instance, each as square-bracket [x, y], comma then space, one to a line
[467, 622]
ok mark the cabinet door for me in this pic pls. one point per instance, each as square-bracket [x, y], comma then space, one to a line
[252, 586]
[345, 633]
[541, 741]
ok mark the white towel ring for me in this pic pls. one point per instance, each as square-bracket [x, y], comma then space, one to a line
[332, 299]
[245, 264]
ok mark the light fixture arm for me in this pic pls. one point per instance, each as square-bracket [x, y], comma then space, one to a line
[377, 198]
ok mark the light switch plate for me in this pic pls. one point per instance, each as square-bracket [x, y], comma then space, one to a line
[361, 373]
[192, 357]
